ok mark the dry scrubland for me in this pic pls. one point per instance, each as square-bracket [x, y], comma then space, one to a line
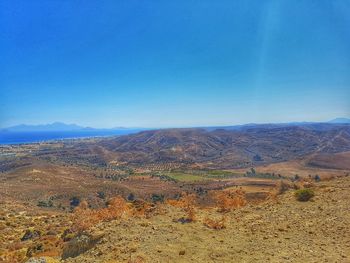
[258, 194]
[280, 229]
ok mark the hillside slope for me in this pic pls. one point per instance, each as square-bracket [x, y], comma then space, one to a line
[286, 231]
[228, 148]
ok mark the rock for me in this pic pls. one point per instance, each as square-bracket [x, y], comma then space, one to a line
[80, 244]
[42, 260]
[34, 249]
[51, 233]
[182, 252]
[30, 234]
[183, 220]
[36, 260]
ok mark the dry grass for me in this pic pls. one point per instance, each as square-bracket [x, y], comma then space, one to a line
[145, 209]
[84, 218]
[215, 224]
[187, 202]
[229, 200]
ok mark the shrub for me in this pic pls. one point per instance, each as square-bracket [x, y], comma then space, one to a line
[83, 217]
[304, 195]
[45, 203]
[146, 209]
[187, 203]
[282, 186]
[74, 201]
[131, 197]
[215, 224]
[157, 198]
[101, 195]
[228, 200]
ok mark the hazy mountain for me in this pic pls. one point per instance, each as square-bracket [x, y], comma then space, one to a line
[56, 126]
[57, 130]
[340, 120]
[62, 127]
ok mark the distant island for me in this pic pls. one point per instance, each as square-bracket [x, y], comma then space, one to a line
[35, 133]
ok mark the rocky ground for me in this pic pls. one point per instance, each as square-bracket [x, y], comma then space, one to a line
[281, 230]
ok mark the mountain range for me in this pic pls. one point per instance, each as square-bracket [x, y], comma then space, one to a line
[60, 126]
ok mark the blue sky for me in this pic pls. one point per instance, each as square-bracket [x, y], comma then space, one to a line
[173, 63]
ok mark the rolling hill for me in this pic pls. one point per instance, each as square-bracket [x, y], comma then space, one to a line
[226, 148]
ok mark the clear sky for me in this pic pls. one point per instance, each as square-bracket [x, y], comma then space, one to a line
[173, 63]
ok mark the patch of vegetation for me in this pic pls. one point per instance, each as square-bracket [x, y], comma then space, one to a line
[74, 201]
[255, 174]
[101, 195]
[45, 203]
[83, 217]
[195, 175]
[30, 234]
[229, 200]
[131, 197]
[156, 198]
[79, 245]
[317, 178]
[164, 177]
[304, 195]
[184, 177]
[215, 224]
[187, 203]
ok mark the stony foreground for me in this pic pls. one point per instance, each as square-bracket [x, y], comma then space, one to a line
[282, 231]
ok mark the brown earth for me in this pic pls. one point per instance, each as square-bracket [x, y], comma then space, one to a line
[285, 231]
[279, 230]
[304, 169]
[330, 161]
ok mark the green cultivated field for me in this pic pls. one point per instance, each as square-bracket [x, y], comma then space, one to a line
[184, 177]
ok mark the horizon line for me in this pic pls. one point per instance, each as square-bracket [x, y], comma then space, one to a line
[168, 127]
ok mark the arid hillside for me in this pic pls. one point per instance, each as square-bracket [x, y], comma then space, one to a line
[224, 148]
[285, 230]
[179, 195]
[280, 229]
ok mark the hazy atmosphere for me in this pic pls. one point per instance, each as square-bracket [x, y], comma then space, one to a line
[181, 131]
[173, 63]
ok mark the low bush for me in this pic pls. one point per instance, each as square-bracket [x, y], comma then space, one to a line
[157, 198]
[74, 201]
[83, 217]
[229, 200]
[215, 224]
[304, 195]
[45, 203]
[187, 203]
